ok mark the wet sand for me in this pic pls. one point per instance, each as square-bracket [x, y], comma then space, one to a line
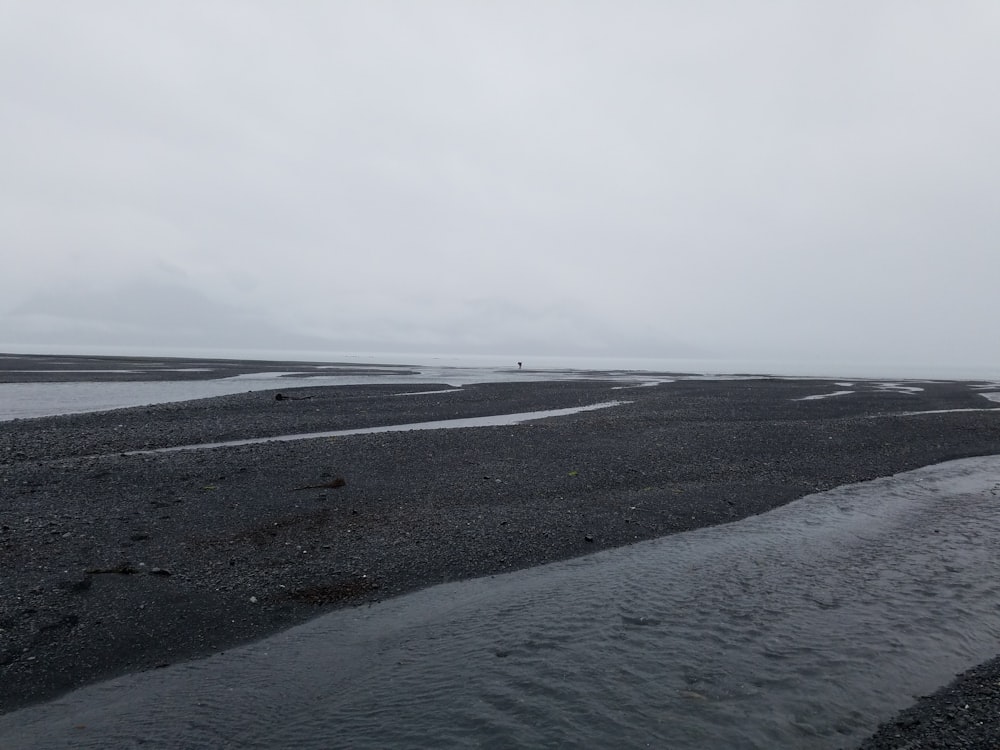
[114, 563]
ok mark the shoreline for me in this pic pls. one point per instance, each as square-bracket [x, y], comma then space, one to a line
[123, 563]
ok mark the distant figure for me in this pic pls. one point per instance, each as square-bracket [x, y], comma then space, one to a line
[518, 365]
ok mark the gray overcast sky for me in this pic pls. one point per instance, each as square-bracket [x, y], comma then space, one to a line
[811, 179]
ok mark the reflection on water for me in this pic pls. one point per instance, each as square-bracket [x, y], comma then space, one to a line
[25, 400]
[496, 420]
[802, 627]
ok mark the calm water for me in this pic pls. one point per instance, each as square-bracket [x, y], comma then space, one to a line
[25, 400]
[988, 370]
[800, 628]
[441, 424]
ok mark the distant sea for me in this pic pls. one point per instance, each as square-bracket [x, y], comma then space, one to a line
[26, 400]
[789, 367]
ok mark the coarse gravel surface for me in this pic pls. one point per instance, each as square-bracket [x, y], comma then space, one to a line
[116, 561]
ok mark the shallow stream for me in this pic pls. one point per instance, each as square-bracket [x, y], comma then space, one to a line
[803, 627]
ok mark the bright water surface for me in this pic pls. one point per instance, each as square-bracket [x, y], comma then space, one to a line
[26, 400]
[441, 424]
[705, 365]
[801, 628]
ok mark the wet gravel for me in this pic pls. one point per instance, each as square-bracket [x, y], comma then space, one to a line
[114, 563]
[965, 715]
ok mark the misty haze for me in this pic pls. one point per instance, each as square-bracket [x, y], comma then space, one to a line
[733, 181]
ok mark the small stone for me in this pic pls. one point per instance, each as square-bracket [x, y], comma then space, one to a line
[160, 572]
[253, 599]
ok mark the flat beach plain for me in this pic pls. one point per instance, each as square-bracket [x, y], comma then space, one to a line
[115, 561]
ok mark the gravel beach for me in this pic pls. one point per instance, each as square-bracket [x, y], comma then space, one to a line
[115, 560]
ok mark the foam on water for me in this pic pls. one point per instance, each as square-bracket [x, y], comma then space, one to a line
[802, 627]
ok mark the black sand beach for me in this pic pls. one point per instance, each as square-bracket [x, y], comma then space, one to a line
[116, 561]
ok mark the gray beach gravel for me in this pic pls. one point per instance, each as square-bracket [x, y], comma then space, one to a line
[116, 561]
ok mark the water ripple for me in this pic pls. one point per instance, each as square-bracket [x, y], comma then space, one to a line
[803, 627]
